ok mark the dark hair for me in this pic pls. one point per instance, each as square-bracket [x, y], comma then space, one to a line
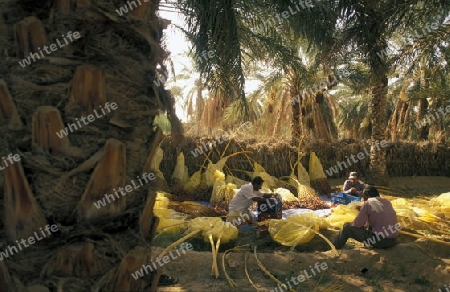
[257, 180]
[371, 192]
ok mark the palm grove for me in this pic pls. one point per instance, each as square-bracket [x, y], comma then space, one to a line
[308, 53]
[361, 44]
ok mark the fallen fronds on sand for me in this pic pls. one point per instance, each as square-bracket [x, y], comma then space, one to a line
[240, 249]
[179, 241]
[246, 272]
[265, 270]
[424, 237]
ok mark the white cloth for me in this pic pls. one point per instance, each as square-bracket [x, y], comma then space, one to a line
[375, 205]
[243, 198]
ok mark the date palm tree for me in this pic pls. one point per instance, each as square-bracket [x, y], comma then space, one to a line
[344, 30]
[59, 179]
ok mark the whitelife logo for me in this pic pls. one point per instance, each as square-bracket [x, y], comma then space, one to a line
[286, 14]
[427, 119]
[90, 118]
[301, 277]
[220, 139]
[380, 235]
[31, 240]
[124, 10]
[11, 159]
[430, 27]
[360, 155]
[244, 217]
[128, 189]
[25, 62]
[152, 267]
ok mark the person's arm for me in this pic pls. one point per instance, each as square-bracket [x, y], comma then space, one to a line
[252, 195]
[347, 187]
[360, 188]
[362, 217]
[262, 198]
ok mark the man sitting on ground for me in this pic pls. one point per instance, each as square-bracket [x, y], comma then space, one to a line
[382, 219]
[354, 186]
[238, 210]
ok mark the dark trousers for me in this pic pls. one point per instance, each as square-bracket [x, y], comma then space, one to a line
[362, 235]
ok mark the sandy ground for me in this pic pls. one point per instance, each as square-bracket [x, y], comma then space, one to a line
[413, 265]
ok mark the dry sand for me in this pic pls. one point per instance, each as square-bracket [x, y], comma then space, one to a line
[413, 265]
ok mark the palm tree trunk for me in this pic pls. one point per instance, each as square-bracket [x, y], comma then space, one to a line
[379, 85]
[80, 80]
[200, 103]
[402, 126]
[296, 122]
[391, 129]
[281, 114]
[423, 129]
[377, 170]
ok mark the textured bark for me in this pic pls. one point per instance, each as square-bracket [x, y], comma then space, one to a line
[378, 171]
[23, 215]
[89, 88]
[109, 174]
[391, 129]
[423, 129]
[321, 129]
[401, 131]
[157, 138]
[6, 282]
[280, 115]
[379, 88]
[46, 123]
[76, 261]
[8, 110]
[66, 6]
[30, 36]
[200, 102]
[63, 5]
[146, 221]
[296, 123]
[46, 97]
[142, 10]
[134, 260]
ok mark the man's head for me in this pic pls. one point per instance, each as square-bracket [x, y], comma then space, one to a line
[354, 176]
[257, 182]
[371, 192]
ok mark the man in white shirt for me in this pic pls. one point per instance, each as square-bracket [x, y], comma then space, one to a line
[238, 210]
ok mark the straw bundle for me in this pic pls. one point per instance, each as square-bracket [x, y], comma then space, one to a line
[318, 178]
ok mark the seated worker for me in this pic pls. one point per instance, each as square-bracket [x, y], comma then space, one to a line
[238, 210]
[354, 186]
[382, 221]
